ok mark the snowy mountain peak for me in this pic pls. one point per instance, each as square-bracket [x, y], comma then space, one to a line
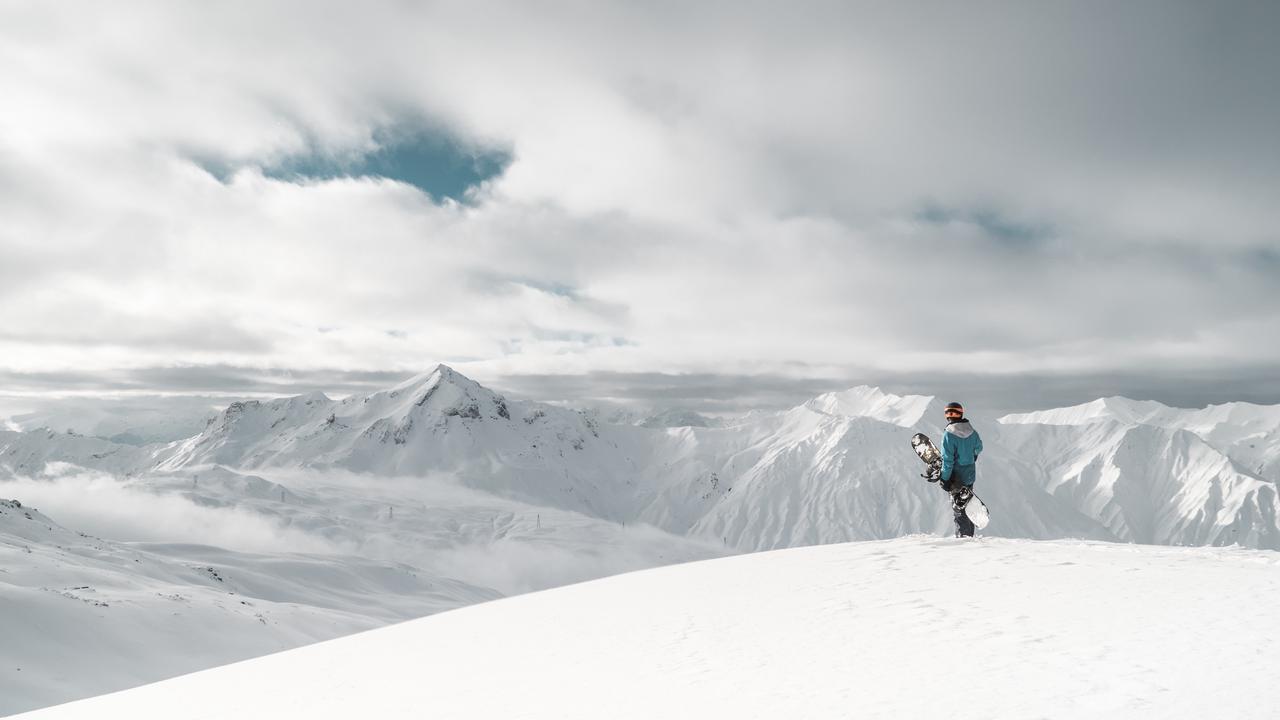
[872, 402]
[430, 377]
[360, 431]
[312, 398]
[1117, 408]
[442, 391]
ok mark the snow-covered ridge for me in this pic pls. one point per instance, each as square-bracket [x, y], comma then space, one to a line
[1247, 433]
[871, 402]
[1112, 408]
[1028, 629]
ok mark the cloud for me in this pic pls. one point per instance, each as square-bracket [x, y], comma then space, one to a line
[102, 505]
[842, 190]
[455, 531]
[987, 395]
[214, 380]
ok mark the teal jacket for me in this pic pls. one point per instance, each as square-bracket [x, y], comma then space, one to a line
[960, 449]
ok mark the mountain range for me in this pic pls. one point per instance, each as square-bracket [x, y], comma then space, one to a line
[834, 468]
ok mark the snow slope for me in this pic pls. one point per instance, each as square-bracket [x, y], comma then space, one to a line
[222, 565]
[913, 627]
[1153, 473]
[82, 615]
[1150, 484]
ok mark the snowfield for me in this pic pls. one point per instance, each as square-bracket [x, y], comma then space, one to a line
[80, 615]
[905, 628]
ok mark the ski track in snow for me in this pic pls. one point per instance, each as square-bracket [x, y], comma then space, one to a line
[914, 627]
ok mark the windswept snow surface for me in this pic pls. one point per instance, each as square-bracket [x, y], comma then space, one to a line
[908, 628]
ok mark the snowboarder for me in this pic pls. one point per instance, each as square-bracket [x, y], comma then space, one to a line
[961, 446]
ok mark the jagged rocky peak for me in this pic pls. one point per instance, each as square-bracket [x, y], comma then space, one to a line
[309, 399]
[240, 406]
[13, 513]
[248, 418]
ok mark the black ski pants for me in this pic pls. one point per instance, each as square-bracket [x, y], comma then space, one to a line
[959, 498]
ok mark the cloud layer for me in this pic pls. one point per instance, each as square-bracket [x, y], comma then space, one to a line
[834, 190]
[105, 506]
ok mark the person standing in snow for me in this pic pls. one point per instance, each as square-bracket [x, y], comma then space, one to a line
[961, 446]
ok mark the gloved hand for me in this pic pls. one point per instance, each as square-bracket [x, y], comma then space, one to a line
[948, 485]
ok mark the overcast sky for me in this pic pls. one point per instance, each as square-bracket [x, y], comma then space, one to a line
[1022, 200]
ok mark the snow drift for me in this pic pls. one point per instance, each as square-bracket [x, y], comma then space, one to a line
[913, 627]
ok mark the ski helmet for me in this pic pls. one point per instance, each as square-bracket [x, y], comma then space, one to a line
[954, 407]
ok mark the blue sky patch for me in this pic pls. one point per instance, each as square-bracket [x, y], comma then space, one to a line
[994, 224]
[435, 162]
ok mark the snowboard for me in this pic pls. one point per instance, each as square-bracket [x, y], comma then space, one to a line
[975, 509]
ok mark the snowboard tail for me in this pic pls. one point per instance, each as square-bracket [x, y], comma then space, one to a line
[977, 513]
